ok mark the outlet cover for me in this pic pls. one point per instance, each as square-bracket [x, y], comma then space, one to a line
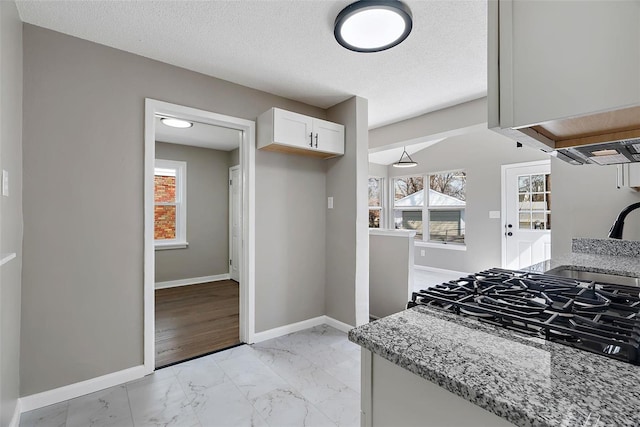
[330, 202]
[494, 214]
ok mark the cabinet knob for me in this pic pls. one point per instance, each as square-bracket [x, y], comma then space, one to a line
[316, 140]
[311, 140]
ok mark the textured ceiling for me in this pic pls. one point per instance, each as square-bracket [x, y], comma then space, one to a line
[287, 48]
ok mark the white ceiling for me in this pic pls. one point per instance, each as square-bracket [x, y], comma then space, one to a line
[199, 135]
[288, 48]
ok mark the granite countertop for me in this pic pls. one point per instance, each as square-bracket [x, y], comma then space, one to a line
[527, 381]
[607, 256]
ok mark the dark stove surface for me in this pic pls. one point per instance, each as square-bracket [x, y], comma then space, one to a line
[599, 317]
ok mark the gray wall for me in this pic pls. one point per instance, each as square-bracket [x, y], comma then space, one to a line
[347, 238]
[83, 203]
[586, 202]
[391, 260]
[481, 155]
[207, 215]
[10, 207]
[290, 239]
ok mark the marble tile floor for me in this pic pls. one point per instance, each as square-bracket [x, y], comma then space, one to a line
[423, 279]
[307, 378]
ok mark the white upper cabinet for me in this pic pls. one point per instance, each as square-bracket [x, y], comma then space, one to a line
[554, 60]
[289, 132]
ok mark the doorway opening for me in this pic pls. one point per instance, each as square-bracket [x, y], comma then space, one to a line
[199, 249]
[526, 214]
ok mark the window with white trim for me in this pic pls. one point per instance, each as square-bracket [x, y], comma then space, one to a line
[441, 209]
[170, 205]
[376, 202]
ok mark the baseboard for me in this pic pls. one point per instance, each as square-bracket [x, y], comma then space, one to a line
[299, 326]
[288, 329]
[71, 391]
[439, 270]
[341, 326]
[15, 419]
[192, 281]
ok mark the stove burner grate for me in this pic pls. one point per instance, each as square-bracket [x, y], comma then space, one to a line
[599, 317]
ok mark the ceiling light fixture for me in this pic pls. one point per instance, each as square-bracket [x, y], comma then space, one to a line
[176, 123]
[405, 161]
[373, 25]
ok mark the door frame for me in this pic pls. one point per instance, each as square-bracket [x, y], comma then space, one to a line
[503, 200]
[231, 212]
[247, 170]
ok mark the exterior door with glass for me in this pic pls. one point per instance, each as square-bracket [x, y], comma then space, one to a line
[526, 211]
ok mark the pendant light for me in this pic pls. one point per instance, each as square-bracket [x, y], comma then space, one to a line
[373, 25]
[405, 161]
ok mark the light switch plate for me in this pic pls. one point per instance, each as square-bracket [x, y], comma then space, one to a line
[330, 202]
[5, 183]
[494, 214]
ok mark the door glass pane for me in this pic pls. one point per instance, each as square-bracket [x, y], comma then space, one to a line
[523, 184]
[165, 222]
[538, 220]
[534, 202]
[537, 183]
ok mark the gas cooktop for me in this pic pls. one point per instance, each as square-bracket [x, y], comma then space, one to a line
[599, 317]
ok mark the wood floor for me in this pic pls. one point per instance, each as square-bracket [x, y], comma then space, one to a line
[195, 320]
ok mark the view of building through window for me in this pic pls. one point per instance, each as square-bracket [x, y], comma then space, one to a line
[442, 209]
[165, 206]
[169, 202]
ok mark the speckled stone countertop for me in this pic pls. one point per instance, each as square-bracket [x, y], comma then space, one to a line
[610, 256]
[527, 381]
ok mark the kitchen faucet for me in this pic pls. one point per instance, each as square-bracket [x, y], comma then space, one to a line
[616, 229]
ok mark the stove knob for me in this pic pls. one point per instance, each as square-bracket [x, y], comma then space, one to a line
[509, 234]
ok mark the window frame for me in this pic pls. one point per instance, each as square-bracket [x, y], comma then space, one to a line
[381, 208]
[424, 239]
[180, 168]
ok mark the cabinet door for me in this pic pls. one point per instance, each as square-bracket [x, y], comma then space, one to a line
[329, 136]
[560, 59]
[292, 129]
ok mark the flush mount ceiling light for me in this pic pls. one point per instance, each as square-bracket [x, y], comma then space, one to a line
[405, 161]
[373, 25]
[176, 123]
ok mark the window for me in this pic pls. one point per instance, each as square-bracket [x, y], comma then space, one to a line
[170, 209]
[375, 202]
[446, 206]
[443, 208]
[408, 200]
[534, 202]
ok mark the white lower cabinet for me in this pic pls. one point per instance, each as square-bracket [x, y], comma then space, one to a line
[289, 132]
[393, 396]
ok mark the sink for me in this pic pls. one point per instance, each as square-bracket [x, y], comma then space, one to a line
[593, 276]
